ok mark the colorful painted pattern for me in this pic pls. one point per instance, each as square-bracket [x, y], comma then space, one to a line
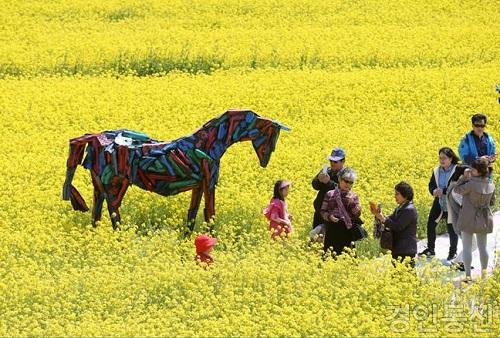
[119, 158]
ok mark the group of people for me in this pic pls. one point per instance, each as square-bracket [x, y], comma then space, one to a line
[463, 194]
[338, 211]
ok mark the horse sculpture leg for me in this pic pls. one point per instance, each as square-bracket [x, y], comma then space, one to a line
[114, 195]
[98, 198]
[209, 210]
[193, 209]
[97, 207]
[209, 205]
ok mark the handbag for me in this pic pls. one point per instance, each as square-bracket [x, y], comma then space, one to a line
[357, 231]
[382, 234]
[386, 239]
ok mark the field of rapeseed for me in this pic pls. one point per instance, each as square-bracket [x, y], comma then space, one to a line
[391, 82]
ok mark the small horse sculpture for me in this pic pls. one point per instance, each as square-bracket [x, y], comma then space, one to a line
[119, 158]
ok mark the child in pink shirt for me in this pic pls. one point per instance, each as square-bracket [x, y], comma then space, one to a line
[277, 210]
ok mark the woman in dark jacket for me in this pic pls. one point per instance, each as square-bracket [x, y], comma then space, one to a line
[402, 223]
[448, 171]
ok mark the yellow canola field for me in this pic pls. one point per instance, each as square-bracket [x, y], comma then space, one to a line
[62, 277]
[153, 36]
[389, 81]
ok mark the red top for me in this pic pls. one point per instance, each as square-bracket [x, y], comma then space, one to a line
[277, 209]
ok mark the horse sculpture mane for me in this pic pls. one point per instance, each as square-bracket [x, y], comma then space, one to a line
[119, 158]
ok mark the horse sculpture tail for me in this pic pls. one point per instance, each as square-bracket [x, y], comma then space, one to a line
[76, 150]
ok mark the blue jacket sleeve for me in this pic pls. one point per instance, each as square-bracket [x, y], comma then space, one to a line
[464, 151]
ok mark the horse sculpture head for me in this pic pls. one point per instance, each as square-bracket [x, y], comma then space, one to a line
[237, 125]
[265, 142]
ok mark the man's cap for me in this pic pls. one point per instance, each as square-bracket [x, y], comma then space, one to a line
[337, 154]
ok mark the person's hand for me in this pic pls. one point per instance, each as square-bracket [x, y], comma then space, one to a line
[334, 219]
[324, 178]
[437, 192]
[380, 216]
[374, 209]
[493, 158]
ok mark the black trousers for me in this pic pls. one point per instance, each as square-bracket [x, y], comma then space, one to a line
[337, 237]
[431, 229]
[317, 220]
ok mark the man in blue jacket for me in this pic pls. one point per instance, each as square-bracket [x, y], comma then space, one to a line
[477, 143]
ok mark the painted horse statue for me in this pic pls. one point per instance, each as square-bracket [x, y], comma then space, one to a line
[119, 158]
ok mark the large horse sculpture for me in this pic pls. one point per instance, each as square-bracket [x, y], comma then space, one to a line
[119, 158]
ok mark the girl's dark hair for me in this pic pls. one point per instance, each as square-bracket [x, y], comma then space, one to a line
[405, 190]
[481, 165]
[450, 154]
[276, 192]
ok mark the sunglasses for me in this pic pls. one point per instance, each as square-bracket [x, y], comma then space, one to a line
[348, 182]
[479, 125]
